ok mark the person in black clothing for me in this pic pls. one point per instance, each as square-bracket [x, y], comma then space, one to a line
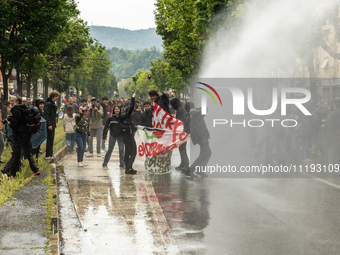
[21, 137]
[147, 115]
[161, 99]
[50, 110]
[112, 124]
[199, 135]
[128, 131]
[137, 116]
[104, 104]
[181, 114]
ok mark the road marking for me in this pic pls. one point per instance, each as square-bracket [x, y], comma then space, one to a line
[327, 182]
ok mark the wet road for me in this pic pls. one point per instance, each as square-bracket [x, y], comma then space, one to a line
[251, 216]
[104, 211]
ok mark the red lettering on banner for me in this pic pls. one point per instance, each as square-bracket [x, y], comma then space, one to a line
[141, 150]
[153, 149]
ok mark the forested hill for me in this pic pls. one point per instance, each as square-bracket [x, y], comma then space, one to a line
[125, 63]
[126, 39]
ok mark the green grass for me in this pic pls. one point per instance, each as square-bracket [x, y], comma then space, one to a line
[9, 186]
[49, 200]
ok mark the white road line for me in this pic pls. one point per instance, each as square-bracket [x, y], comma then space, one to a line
[327, 182]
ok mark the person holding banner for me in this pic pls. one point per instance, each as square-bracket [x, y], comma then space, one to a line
[160, 98]
[128, 132]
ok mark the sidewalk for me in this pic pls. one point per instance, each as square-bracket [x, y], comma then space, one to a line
[108, 212]
[22, 220]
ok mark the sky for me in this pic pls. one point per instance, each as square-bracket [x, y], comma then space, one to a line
[128, 14]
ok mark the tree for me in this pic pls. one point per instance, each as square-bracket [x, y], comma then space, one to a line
[159, 74]
[29, 27]
[99, 69]
[31, 69]
[143, 83]
[185, 27]
[68, 53]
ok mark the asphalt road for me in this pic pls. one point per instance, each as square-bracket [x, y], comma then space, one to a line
[108, 211]
[251, 216]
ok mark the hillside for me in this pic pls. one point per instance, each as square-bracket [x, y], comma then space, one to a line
[126, 39]
[125, 63]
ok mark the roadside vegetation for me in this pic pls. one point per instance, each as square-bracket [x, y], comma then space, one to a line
[9, 186]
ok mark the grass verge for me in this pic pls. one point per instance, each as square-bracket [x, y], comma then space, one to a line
[49, 202]
[9, 186]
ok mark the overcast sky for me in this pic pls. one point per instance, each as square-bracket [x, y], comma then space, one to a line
[129, 14]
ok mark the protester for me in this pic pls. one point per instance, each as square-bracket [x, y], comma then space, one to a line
[113, 125]
[104, 104]
[95, 113]
[71, 103]
[121, 106]
[161, 99]
[81, 134]
[21, 137]
[199, 135]
[181, 114]
[50, 110]
[83, 103]
[137, 116]
[128, 131]
[147, 115]
[68, 125]
[89, 97]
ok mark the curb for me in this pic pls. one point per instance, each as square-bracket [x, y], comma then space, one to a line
[54, 237]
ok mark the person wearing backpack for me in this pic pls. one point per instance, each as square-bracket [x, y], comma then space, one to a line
[21, 137]
[68, 124]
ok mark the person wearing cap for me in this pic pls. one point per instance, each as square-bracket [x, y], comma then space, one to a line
[95, 113]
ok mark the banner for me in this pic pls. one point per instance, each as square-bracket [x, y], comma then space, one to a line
[155, 144]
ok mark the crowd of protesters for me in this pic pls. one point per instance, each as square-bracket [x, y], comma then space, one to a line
[316, 137]
[88, 118]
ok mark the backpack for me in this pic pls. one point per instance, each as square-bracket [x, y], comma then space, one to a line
[32, 119]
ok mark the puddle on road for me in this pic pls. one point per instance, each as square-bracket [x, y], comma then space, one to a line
[185, 205]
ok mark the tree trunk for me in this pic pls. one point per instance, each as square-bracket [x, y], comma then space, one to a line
[28, 88]
[5, 81]
[35, 89]
[19, 83]
[45, 88]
